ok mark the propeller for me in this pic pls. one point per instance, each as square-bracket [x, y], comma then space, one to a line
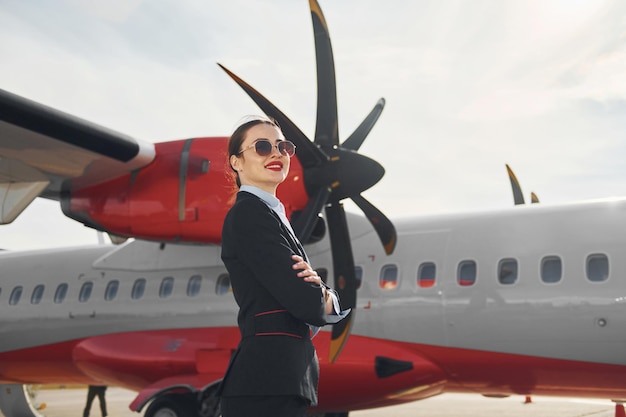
[518, 196]
[332, 172]
[533, 198]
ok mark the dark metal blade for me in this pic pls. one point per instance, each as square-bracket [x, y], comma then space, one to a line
[326, 126]
[308, 154]
[304, 224]
[357, 137]
[518, 196]
[533, 198]
[345, 276]
[383, 226]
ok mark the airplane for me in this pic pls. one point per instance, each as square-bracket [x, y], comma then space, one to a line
[522, 301]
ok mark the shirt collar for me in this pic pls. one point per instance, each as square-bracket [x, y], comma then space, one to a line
[268, 198]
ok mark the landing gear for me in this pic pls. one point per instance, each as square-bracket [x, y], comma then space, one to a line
[173, 405]
[204, 404]
[16, 401]
[209, 402]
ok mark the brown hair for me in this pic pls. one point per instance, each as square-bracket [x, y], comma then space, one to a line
[238, 136]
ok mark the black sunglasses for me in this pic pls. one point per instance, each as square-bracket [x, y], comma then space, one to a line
[264, 147]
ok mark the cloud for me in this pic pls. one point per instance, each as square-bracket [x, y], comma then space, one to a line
[469, 86]
[113, 10]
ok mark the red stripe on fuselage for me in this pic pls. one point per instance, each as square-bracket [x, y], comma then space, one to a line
[135, 360]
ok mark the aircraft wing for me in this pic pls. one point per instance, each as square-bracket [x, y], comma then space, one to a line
[42, 149]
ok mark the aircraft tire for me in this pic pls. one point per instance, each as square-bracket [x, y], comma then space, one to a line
[172, 406]
[209, 402]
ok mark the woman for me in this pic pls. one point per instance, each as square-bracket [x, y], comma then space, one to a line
[274, 371]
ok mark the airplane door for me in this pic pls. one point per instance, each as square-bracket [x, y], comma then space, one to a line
[427, 276]
[407, 284]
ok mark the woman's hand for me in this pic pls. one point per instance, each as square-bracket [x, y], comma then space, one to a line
[307, 273]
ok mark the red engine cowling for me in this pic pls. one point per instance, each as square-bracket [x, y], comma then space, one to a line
[183, 195]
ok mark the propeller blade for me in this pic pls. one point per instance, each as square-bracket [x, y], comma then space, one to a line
[339, 337]
[518, 196]
[326, 126]
[357, 137]
[308, 154]
[304, 224]
[533, 198]
[383, 226]
[345, 276]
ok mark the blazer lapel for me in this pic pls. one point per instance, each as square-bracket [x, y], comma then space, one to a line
[293, 240]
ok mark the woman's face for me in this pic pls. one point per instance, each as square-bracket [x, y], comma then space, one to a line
[265, 172]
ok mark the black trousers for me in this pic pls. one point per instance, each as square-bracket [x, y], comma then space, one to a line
[91, 394]
[264, 406]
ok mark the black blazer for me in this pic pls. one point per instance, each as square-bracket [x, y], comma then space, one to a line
[275, 355]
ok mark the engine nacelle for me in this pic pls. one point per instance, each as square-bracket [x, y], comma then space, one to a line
[183, 195]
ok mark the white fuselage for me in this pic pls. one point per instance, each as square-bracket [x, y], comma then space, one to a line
[576, 318]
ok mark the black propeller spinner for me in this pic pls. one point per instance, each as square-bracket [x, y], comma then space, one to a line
[332, 172]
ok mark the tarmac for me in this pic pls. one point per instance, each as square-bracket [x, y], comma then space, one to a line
[69, 402]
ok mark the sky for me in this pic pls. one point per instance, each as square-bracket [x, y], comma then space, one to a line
[469, 87]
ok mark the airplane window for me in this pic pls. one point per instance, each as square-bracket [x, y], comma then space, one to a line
[85, 291]
[194, 285]
[139, 287]
[551, 269]
[388, 277]
[111, 291]
[426, 275]
[466, 273]
[507, 271]
[60, 293]
[223, 284]
[358, 273]
[16, 294]
[35, 298]
[167, 286]
[597, 267]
